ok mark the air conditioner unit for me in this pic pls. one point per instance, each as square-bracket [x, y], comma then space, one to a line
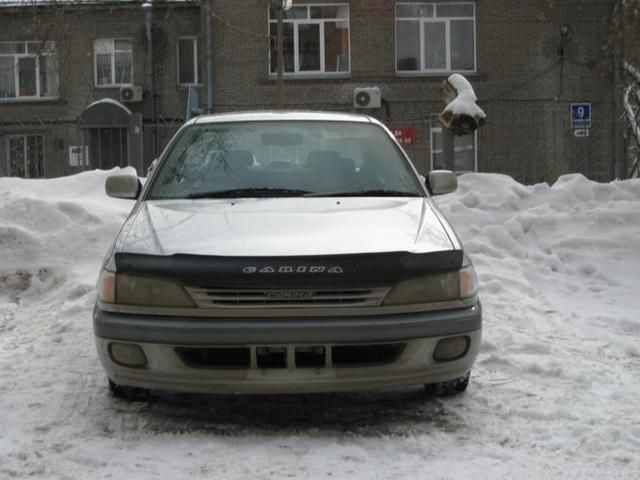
[131, 94]
[367, 97]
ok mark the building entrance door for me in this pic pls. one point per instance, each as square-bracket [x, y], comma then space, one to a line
[108, 147]
[105, 126]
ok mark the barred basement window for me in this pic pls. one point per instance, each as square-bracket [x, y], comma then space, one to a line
[28, 70]
[187, 51]
[316, 39]
[25, 156]
[113, 62]
[435, 37]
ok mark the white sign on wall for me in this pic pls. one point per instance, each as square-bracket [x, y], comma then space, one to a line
[78, 156]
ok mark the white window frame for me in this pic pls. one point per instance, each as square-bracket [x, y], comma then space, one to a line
[435, 19]
[26, 170]
[49, 50]
[438, 129]
[196, 70]
[296, 46]
[112, 54]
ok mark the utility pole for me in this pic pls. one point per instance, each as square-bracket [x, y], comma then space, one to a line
[461, 115]
[281, 6]
[448, 149]
[280, 49]
[209, 34]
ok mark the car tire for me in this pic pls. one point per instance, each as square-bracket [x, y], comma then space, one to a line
[126, 392]
[450, 387]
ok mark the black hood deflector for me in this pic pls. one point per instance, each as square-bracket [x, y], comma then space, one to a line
[359, 270]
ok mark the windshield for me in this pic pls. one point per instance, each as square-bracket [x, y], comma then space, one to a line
[284, 158]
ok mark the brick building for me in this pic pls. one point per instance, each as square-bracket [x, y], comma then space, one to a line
[81, 86]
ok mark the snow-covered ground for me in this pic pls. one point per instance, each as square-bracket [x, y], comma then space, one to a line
[555, 392]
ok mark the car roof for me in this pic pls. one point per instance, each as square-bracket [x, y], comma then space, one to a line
[281, 115]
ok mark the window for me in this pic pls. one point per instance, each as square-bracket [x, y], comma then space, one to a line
[435, 37]
[187, 61]
[28, 70]
[25, 156]
[295, 157]
[316, 39]
[113, 62]
[464, 148]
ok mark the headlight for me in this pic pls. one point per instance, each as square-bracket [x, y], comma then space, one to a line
[468, 282]
[142, 291]
[440, 287]
[107, 287]
[155, 292]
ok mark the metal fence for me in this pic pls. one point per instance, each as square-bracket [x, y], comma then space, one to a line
[539, 146]
[64, 148]
[156, 137]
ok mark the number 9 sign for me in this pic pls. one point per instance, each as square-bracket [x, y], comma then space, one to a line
[581, 115]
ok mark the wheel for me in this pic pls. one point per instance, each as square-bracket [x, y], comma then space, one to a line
[450, 387]
[128, 393]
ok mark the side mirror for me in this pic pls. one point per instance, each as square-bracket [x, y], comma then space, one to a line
[123, 186]
[442, 181]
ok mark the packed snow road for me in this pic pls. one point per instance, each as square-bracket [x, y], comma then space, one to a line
[554, 394]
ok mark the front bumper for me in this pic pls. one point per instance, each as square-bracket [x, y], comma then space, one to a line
[159, 337]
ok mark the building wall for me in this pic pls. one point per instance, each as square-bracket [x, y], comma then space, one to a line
[518, 82]
[528, 89]
[74, 31]
[523, 84]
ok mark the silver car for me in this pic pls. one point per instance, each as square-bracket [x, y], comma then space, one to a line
[285, 252]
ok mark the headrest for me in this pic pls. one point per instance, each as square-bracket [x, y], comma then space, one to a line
[239, 158]
[330, 160]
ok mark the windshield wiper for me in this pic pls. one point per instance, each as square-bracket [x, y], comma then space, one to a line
[366, 193]
[249, 193]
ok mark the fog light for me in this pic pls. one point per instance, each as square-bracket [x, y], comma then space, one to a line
[127, 354]
[451, 349]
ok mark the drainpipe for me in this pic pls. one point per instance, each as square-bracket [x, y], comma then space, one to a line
[147, 8]
[617, 97]
[209, 30]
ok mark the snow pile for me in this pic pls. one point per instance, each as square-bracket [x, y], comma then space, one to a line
[52, 230]
[559, 269]
[554, 392]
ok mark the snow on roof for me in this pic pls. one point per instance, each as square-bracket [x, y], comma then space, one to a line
[277, 115]
[465, 102]
[111, 101]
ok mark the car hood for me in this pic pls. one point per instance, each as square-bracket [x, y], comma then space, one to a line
[284, 227]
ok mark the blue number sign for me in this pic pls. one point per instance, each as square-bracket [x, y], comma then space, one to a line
[580, 115]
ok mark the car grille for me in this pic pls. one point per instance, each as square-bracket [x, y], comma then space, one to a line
[290, 356]
[279, 298]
